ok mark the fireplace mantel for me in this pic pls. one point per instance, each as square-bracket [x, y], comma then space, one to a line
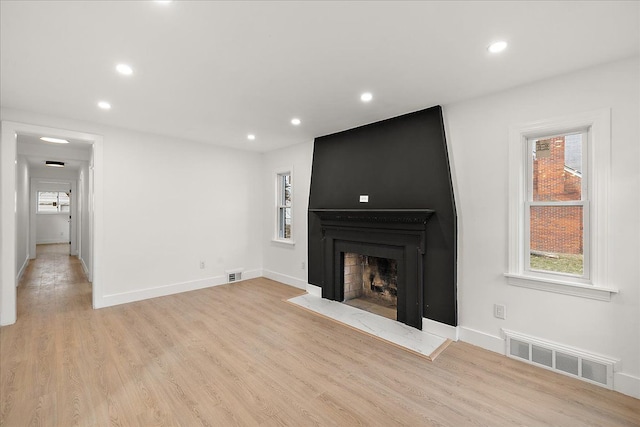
[398, 234]
[401, 166]
[375, 216]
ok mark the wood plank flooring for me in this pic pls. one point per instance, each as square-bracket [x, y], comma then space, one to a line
[239, 355]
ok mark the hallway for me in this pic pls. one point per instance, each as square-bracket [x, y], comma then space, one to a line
[53, 299]
[53, 279]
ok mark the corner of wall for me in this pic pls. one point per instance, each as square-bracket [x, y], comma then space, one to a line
[170, 289]
[626, 384]
[21, 271]
[287, 280]
[440, 329]
[482, 339]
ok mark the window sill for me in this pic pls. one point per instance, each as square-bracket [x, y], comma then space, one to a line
[284, 242]
[561, 287]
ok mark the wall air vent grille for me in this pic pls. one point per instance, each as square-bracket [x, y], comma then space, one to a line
[234, 277]
[561, 359]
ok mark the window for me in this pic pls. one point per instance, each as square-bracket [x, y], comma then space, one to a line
[559, 173]
[284, 195]
[53, 202]
[557, 205]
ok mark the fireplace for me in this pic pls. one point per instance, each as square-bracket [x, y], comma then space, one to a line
[396, 236]
[371, 284]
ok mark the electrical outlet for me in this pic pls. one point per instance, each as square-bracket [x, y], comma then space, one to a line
[500, 311]
[201, 265]
[302, 265]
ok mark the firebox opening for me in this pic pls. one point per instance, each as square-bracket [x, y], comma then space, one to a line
[371, 284]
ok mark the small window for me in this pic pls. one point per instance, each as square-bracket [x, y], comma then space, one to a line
[557, 205]
[53, 202]
[284, 206]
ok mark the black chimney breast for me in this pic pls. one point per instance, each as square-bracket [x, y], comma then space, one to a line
[399, 163]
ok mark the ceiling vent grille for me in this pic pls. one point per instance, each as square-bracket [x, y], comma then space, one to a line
[561, 359]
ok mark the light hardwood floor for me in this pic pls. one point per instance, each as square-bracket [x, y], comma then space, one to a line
[238, 355]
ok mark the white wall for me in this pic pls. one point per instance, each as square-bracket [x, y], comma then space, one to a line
[163, 205]
[170, 204]
[477, 133]
[84, 214]
[8, 185]
[283, 262]
[52, 228]
[57, 174]
[22, 214]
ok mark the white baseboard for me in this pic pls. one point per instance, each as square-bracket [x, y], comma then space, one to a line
[482, 339]
[84, 268]
[51, 241]
[251, 274]
[287, 280]
[626, 384]
[314, 290]
[440, 329]
[176, 288]
[622, 383]
[21, 271]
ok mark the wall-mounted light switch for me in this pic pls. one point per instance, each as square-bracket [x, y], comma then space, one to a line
[364, 198]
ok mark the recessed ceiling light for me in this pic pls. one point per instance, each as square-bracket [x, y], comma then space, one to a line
[54, 164]
[295, 121]
[251, 137]
[124, 69]
[104, 105]
[366, 97]
[163, 1]
[54, 140]
[498, 46]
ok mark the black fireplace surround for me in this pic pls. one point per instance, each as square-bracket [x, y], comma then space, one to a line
[372, 191]
[398, 234]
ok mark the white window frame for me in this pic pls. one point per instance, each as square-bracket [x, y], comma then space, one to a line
[279, 188]
[598, 172]
[58, 205]
[583, 202]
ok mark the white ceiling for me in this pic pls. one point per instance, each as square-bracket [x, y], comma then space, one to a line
[216, 71]
[37, 152]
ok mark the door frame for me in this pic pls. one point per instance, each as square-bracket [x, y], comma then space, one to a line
[38, 184]
[8, 158]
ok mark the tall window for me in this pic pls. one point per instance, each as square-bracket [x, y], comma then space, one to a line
[559, 177]
[284, 206]
[53, 202]
[557, 204]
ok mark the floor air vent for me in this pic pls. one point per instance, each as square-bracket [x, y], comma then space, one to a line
[234, 277]
[568, 361]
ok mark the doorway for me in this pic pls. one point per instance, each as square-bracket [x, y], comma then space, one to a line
[17, 201]
[55, 216]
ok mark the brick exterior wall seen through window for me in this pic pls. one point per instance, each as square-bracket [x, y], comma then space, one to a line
[556, 229]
